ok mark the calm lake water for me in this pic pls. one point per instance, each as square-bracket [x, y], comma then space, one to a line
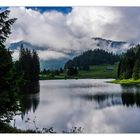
[91, 105]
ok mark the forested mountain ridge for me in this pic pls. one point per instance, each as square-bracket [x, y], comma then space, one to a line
[92, 57]
[17, 45]
[108, 45]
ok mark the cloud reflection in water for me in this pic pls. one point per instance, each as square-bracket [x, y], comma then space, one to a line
[94, 105]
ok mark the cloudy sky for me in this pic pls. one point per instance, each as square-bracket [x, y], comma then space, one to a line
[66, 29]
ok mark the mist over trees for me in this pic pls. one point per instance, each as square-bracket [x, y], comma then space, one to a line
[129, 65]
[92, 57]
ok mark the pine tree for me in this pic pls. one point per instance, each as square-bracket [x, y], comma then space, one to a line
[129, 66]
[72, 71]
[136, 70]
[5, 25]
[8, 77]
[35, 66]
[61, 70]
[119, 71]
[29, 66]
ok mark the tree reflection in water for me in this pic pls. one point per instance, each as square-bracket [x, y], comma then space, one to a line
[130, 96]
[29, 102]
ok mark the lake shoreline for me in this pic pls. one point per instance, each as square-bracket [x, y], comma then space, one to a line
[126, 82]
[122, 82]
[75, 78]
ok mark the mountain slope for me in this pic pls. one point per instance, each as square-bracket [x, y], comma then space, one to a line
[92, 57]
[17, 45]
[48, 63]
[55, 63]
[112, 46]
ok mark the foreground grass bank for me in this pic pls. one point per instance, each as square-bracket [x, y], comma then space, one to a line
[97, 72]
[126, 81]
[6, 128]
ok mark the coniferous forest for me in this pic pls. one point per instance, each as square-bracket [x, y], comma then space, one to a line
[129, 65]
[9, 79]
[14, 76]
[92, 57]
[28, 66]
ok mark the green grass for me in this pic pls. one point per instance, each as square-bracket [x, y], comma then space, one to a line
[49, 77]
[97, 71]
[126, 81]
[100, 71]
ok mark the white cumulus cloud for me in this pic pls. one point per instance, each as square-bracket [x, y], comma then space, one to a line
[72, 32]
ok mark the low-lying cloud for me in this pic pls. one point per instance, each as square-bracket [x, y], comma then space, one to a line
[49, 55]
[65, 33]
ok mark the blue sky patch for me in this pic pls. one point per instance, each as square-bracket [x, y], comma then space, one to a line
[64, 10]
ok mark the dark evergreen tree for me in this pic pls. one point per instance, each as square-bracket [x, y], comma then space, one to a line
[72, 71]
[29, 67]
[136, 70]
[35, 66]
[48, 71]
[85, 67]
[5, 25]
[119, 71]
[44, 71]
[129, 66]
[61, 70]
[9, 80]
[92, 57]
[138, 52]
[56, 72]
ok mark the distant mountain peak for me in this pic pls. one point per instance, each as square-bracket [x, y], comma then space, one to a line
[26, 44]
[110, 45]
[20, 42]
[103, 39]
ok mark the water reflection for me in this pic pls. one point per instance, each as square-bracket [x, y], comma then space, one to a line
[103, 100]
[130, 99]
[29, 97]
[94, 105]
[130, 96]
[30, 87]
[130, 89]
[29, 102]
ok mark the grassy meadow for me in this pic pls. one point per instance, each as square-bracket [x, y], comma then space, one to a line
[96, 71]
[126, 81]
